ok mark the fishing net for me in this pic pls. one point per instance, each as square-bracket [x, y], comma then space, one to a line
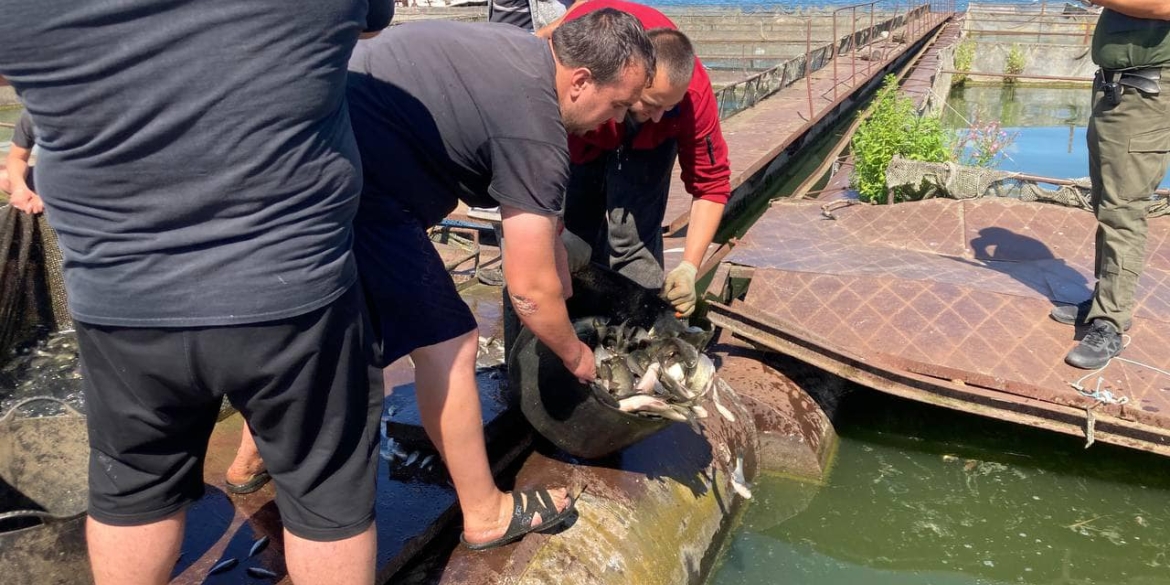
[914, 180]
[32, 290]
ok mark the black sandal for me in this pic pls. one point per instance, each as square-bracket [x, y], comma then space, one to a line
[254, 483]
[538, 501]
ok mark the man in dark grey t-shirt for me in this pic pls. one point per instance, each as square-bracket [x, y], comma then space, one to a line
[447, 111]
[18, 182]
[199, 168]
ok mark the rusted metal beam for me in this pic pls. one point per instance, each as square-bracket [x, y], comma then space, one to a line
[971, 393]
[1021, 76]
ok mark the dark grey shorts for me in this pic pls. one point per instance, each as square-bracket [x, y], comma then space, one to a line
[412, 299]
[304, 385]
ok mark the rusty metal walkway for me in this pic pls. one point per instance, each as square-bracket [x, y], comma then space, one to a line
[759, 137]
[947, 302]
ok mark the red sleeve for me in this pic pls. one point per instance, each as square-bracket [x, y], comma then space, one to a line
[592, 144]
[702, 151]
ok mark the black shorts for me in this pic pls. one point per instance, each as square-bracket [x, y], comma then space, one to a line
[411, 298]
[304, 385]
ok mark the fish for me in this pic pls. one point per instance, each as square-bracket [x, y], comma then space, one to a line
[426, 461]
[648, 382]
[676, 372]
[719, 406]
[411, 458]
[702, 376]
[224, 566]
[738, 481]
[688, 353]
[699, 411]
[621, 382]
[258, 546]
[634, 366]
[640, 402]
[262, 573]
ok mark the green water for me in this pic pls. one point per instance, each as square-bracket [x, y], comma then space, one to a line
[8, 115]
[920, 496]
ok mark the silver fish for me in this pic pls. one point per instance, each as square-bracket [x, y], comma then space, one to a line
[411, 458]
[223, 566]
[258, 546]
[738, 481]
[699, 411]
[649, 380]
[719, 406]
[426, 461]
[640, 402]
[262, 573]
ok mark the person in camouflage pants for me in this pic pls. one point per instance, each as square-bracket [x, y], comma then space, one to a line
[1129, 149]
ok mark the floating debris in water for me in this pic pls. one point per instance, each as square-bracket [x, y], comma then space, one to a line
[224, 566]
[258, 546]
[262, 573]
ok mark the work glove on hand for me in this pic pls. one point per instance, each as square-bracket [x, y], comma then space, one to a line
[579, 251]
[679, 289]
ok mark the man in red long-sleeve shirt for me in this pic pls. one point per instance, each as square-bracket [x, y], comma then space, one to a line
[621, 172]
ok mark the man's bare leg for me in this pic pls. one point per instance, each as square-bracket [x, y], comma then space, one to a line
[448, 401]
[247, 462]
[342, 562]
[134, 555]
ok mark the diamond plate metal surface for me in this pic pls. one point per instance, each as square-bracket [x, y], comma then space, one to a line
[962, 287]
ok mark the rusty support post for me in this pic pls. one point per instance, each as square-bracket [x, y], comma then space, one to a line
[870, 40]
[808, 65]
[853, 42]
[836, 42]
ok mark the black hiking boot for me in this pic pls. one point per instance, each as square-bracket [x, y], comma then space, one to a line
[1101, 344]
[1077, 314]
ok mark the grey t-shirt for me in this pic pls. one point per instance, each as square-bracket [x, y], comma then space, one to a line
[445, 111]
[197, 159]
[24, 134]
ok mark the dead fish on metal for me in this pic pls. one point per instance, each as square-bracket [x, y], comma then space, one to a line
[258, 546]
[699, 411]
[262, 573]
[719, 406]
[223, 566]
[738, 481]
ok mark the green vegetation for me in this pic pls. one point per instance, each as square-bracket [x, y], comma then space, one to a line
[1015, 63]
[894, 127]
[964, 59]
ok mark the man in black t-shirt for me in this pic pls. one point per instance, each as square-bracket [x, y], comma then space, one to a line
[447, 111]
[19, 182]
[199, 168]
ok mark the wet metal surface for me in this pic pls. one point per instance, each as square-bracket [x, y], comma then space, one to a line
[955, 296]
[649, 514]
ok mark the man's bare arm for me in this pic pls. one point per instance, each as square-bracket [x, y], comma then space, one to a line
[1151, 9]
[530, 270]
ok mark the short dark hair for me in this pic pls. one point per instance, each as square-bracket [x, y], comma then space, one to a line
[605, 41]
[674, 53]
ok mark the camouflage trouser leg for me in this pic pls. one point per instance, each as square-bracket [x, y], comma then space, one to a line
[1129, 148]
